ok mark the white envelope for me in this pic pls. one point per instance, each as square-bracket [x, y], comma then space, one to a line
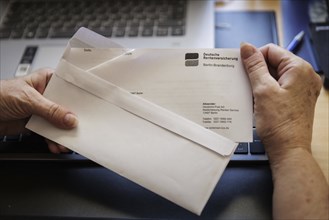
[144, 142]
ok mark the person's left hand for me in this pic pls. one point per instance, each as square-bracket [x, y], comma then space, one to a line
[22, 97]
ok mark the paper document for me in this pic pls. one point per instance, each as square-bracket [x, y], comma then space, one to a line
[207, 86]
[145, 113]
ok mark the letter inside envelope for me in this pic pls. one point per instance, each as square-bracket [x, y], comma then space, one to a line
[167, 119]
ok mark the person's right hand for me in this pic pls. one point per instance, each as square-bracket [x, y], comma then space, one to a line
[285, 90]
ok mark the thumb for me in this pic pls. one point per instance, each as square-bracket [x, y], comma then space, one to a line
[54, 113]
[255, 66]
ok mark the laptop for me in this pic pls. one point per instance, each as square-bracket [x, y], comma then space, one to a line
[35, 32]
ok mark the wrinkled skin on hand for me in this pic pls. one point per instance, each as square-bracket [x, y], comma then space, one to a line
[22, 97]
[285, 93]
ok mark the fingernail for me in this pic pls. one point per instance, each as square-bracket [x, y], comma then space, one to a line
[247, 50]
[70, 120]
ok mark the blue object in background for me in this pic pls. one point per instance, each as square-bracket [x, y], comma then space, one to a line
[295, 17]
[255, 27]
[296, 42]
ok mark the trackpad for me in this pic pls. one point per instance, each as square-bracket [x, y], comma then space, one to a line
[47, 56]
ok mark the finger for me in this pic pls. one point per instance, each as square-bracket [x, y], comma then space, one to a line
[52, 146]
[63, 149]
[275, 54]
[56, 148]
[52, 112]
[279, 58]
[255, 66]
[286, 62]
[40, 79]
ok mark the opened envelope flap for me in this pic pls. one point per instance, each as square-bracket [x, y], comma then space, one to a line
[144, 108]
[85, 58]
[85, 38]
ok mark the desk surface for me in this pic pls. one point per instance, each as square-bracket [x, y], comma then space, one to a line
[86, 191]
[320, 143]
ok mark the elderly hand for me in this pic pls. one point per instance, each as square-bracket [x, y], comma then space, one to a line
[22, 97]
[285, 90]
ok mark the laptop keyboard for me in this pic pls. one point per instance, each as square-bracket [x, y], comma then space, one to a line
[251, 151]
[33, 147]
[111, 18]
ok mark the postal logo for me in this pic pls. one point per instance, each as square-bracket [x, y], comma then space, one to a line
[191, 59]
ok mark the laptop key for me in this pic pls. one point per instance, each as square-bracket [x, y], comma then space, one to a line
[163, 23]
[241, 149]
[30, 34]
[60, 33]
[17, 33]
[162, 31]
[134, 23]
[106, 32]
[147, 32]
[13, 138]
[148, 23]
[257, 147]
[177, 31]
[42, 33]
[4, 33]
[120, 32]
[121, 24]
[133, 32]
